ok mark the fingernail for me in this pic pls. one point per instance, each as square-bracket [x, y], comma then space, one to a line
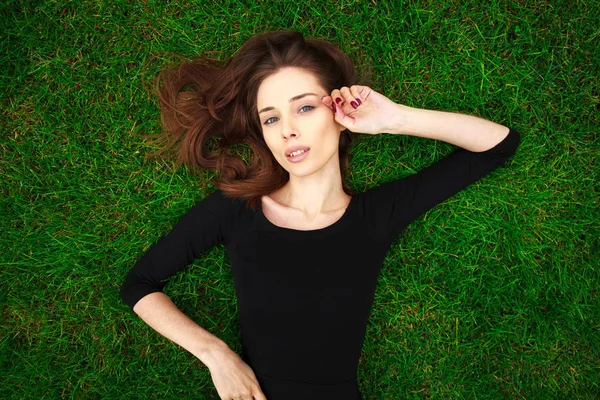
[353, 104]
[334, 108]
[358, 101]
[338, 100]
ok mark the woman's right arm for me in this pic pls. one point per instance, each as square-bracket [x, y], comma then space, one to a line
[157, 310]
[202, 227]
[198, 230]
[232, 377]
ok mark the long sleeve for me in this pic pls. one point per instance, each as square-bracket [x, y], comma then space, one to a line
[397, 203]
[202, 227]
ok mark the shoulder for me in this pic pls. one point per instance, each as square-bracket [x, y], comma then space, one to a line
[216, 212]
[379, 202]
[215, 207]
[219, 202]
[384, 190]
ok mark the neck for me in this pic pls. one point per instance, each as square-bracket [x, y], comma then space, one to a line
[315, 194]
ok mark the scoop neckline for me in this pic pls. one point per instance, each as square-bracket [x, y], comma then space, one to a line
[332, 227]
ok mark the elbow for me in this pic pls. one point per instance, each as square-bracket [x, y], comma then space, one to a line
[508, 147]
[134, 290]
[516, 135]
[129, 291]
[125, 292]
[515, 141]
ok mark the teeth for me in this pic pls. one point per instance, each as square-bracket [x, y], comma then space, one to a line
[295, 153]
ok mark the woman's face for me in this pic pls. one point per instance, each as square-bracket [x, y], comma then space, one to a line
[291, 114]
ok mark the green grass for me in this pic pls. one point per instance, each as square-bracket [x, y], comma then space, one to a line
[492, 294]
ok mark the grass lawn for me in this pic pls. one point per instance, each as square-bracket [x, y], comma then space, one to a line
[493, 294]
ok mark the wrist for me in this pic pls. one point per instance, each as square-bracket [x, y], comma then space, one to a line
[211, 353]
[399, 120]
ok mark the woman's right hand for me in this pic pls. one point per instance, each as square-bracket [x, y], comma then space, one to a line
[233, 378]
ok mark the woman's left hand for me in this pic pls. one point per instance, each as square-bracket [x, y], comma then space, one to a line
[363, 110]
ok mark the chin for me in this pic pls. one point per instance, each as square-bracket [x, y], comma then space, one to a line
[300, 169]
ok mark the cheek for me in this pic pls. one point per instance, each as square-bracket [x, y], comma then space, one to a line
[328, 121]
[268, 141]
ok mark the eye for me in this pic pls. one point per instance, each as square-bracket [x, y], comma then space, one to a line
[308, 108]
[267, 121]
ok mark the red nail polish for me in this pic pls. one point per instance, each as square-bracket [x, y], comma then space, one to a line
[359, 102]
[338, 100]
[353, 104]
[334, 108]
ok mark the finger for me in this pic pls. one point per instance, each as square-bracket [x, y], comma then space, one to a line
[355, 91]
[337, 97]
[350, 97]
[346, 95]
[259, 396]
[343, 119]
[327, 100]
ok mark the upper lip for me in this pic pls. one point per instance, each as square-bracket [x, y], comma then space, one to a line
[292, 149]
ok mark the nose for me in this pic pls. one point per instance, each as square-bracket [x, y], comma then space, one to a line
[287, 135]
[288, 130]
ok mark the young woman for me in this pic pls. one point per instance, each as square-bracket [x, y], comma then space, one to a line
[305, 250]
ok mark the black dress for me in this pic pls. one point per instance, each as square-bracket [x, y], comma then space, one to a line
[304, 297]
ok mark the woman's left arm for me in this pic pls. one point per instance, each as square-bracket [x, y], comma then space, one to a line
[466, 131]
[483, 147]
[362, 109]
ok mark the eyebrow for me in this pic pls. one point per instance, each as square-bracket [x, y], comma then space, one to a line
[291, 100]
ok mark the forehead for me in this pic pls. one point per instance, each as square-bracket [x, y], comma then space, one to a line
[285, 84]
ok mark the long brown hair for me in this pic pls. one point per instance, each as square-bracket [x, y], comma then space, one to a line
[208, 109]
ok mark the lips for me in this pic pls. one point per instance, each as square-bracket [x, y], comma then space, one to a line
[298, 156]
[293, 149]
